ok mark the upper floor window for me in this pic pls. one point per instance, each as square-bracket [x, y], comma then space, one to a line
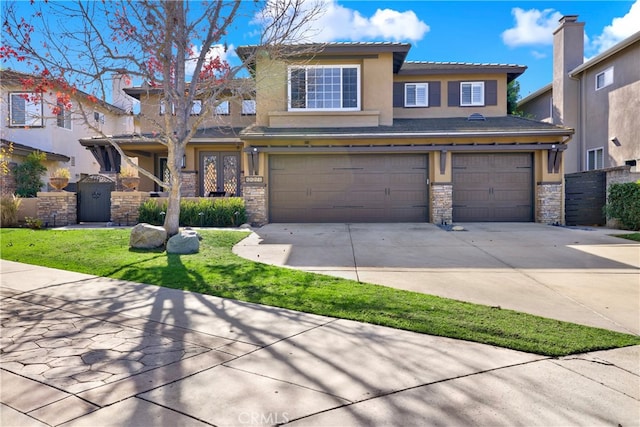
[163, 108]
[63, 117]
[324, 88]
[98, 117]
[471, 93]
[604, 78]
[248, 107]
[196, 108]
[25, 109]
[222, 109]
[416, 95]
[595, 159]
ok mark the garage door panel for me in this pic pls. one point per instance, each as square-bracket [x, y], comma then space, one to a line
[513, 196]
[492, 187]
[413, 180]
[464, 196]
[348, 188]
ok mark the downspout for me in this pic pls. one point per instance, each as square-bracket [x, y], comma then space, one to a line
[581, 125]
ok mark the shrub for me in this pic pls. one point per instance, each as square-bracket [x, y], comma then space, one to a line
[623, 204]
[213, 212]
[61, 173]
[9, 210]
[33, 223]
[151, 212]
[29, 175]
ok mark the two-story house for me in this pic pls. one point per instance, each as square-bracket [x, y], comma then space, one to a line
[599, 98]
[353, 132]
[31, 122]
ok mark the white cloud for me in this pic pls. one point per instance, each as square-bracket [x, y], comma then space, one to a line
[620, 29]
[225, 54]
[533, 27]
[538, 55]
[339, 23]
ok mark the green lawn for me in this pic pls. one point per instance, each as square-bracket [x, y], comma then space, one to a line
[217, 271]
[631, 236]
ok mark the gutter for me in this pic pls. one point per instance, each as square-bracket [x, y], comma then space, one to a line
[407, 135]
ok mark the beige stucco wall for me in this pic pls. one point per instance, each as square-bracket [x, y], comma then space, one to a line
[444, 110]
[609, 111]
[539, 107]
[59, 140]
[152, 121]
[376, 74]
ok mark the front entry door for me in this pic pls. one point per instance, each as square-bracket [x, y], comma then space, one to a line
[220, 174]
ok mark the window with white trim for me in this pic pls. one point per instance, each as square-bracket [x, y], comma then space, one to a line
[163, 108]
[196, 108]
[63, 116]
[222, 109]
[604, 78]
[248, 107]
[472, 93]
[595, 159]
[98, 117]
[416, 95]
[324, 88]
[25, 110]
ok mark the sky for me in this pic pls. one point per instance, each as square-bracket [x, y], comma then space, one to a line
[510, 32]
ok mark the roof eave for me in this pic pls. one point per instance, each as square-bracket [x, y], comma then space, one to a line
[408, 135]
[606, 54]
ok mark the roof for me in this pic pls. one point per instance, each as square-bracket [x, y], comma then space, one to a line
[221, 133]
[239, 83]
[428, 67]
[25, 150]
[420, 128]
[344, 49]
[634, 38]
[12, 77]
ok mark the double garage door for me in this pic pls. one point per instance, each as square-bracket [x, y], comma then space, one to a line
[348, 188]
[393, 187]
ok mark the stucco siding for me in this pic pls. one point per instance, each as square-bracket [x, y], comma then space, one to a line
[608, 111]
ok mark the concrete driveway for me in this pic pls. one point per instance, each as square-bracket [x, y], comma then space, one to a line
[581, 275]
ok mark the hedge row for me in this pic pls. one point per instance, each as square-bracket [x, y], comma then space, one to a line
[623, 204]
[213, 212]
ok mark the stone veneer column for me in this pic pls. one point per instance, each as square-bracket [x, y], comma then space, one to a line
[255, 201]
[189, 184]
[549, 203]
[125, 205]
[57, 208]
[441, 203]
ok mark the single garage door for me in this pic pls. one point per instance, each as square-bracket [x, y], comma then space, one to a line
[493, 187]
[348, 188]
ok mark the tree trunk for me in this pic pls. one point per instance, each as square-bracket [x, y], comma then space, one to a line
[172, 217]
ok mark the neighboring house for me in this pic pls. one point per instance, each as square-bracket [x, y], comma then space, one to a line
[351, 132]
[31, 123]
[354, 133]
[599, 98]
[212, 162]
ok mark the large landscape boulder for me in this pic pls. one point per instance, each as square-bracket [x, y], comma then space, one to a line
[185, 242]
[147, 236]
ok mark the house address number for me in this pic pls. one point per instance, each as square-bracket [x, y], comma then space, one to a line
[254, 179]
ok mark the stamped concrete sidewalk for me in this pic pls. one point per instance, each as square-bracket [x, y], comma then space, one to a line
[79, 350]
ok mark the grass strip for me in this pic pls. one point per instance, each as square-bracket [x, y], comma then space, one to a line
[215, 270]
[630, 236]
